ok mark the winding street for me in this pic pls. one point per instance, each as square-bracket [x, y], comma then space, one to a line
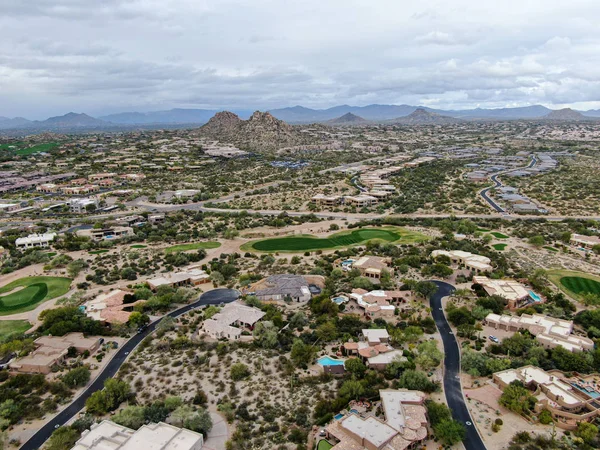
[452, 384]
[213, 297]
[498, 183]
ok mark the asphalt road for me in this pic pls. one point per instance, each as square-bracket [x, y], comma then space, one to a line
[498, 183]
[214, 297]
[452, 385]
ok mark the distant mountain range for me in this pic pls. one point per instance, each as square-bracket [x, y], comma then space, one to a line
[338, 115]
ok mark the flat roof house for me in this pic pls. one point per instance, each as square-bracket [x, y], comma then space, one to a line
[100, 234]
[231, 321]
[372, 267]
[549, 331]
[402, 426]
[191, 276]
[51, 350]
[511, 290]
[327, 200]
[569, 400]
[35, 240]
[475, 263]
[581, 240]
[107, 435]
[277, 288]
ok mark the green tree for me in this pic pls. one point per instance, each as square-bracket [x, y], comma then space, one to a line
[63, 438]
[239, 371]
[200, 422]
[417, 381]
[352, 389]
[356, 367]
[449, 431]
[131, 417]
[77, 377]
[302, 354]
[327, 332]
[138, 319]
[426, 288]
[517, 398]
[537, 241]
[587, 431]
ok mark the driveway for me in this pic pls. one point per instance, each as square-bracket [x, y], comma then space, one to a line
[452, 385]
[218, 435]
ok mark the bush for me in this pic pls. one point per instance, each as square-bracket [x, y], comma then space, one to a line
[239, 371]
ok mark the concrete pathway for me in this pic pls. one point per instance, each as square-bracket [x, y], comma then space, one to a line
[218, 436]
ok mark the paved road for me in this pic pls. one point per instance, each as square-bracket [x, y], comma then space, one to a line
[498, 183]
[214, 297]
[452, 385]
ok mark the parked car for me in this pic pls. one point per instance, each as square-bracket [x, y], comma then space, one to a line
[494, 339]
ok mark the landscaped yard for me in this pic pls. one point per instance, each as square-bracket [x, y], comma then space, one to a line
[139, 246]
[192, 246]
[499, 247]
[551, 249]
[324, 445]
[575, 283]
[36, 149]
[26, 293]
[9, 327]
[499, 235]
[307, 242]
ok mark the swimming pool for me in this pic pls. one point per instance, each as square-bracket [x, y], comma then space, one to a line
[329, 361]
[354, 411]
[338, 416]
[590, 392]
[339, 300]
[536, 298]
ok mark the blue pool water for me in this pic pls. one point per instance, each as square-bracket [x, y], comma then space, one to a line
[354, 411]
[338, 416]
[589, 392]
[535, 297]
[339, 300]
[328, 361]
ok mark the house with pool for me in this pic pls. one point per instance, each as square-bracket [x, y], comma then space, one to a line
[397, 422]
[516, 294]
[570, 400]
[374, 349]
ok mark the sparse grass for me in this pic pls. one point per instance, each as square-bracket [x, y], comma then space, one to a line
[499, 235]
[575, 283]
[344, 239]
[35, 290]
[139, 246]
[551, 249]
[10, 327]
[97, 252]
[192, 246]
[499, 247]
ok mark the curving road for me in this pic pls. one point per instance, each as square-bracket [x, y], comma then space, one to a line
[213, 297]
[452, 385]
[498, 183]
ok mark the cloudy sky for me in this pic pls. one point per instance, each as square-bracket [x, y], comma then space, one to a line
[103, 56]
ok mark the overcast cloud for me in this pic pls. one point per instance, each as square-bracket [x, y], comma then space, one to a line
[103, 56]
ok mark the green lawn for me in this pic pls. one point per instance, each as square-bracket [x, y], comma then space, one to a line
[499, 247]
[324, 445]
[483, 230]
[10, 327]
[498, 235]
[551, 249]
[574, 283]
[139, 246]
[344, 239]
[35, 290]
[192, 246]
[37, 149]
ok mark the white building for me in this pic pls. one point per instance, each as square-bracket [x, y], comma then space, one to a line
[228, 323]
[476, 263]
[35, 240]
[107, 435]
[80, 205]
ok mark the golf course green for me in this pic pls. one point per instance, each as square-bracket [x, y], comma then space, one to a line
[307, 242]
[499, 247]
[26, 293]
[575, 283]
